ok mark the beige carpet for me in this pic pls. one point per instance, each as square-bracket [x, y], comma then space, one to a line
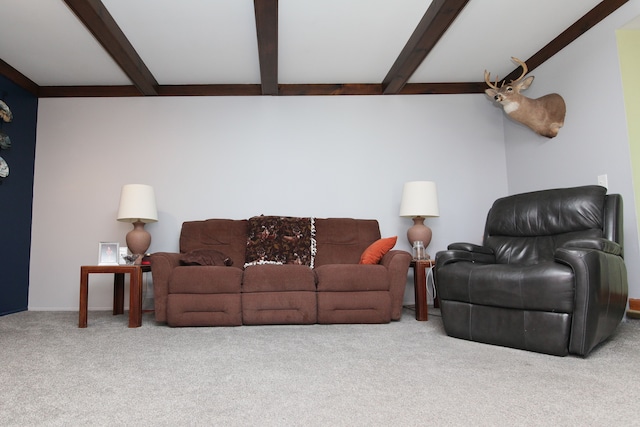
[406, 373]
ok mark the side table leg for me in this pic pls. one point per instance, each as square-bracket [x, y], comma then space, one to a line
[118, 293]
[420, 287]
[135, 299]
[84, 295]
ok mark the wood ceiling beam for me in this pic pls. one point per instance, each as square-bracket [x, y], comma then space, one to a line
[330, 89]
[18, 78]
[256, 90]
[95, 16]
[581, 26]
[443, 88]
[88, 91]
[266, 12]
[163, 90]
[435, 22]
[211, 90]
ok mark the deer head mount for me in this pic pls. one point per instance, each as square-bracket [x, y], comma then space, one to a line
[544, 115]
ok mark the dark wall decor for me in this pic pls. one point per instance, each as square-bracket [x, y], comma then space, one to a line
[5, 141]
[18, 143]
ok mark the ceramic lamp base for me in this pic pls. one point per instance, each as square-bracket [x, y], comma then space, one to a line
[138, 241]
[419, 231]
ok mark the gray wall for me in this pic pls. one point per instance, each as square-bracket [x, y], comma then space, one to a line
[243, 156]
[594, 140]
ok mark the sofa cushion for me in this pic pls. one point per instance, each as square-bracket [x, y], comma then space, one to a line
[280, 240]
[206, 257]
[352, 278]
[270, 278]
[374, 253]
[200, 279]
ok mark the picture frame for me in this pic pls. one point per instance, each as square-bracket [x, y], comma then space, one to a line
[108, 253]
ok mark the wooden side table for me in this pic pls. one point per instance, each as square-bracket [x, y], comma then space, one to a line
[420, 286]
[135, 292]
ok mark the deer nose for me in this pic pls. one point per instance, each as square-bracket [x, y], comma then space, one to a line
[497, 97]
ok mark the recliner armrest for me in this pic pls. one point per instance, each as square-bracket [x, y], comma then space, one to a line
[470, 247]
[465, 252]
[599, 244]
[601, 290]
[397, 263]
[162, 264]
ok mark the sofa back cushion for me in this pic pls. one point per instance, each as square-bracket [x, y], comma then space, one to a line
[527, 228]
[343, 240]
[227, 236]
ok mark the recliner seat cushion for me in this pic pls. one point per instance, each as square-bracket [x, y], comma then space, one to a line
[352, 278]
[278, 278]
[200, 279]
[547, 286]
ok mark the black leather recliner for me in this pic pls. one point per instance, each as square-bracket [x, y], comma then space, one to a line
[550, 275]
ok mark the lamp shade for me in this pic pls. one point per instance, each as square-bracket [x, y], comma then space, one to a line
[137, 204]
[419, 199]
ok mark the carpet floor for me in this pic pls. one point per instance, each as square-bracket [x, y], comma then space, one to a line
[406, 373]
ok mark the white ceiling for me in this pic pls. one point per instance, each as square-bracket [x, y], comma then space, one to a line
[186, 42]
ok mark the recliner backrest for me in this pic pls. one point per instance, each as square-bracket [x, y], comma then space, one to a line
[527, 228]
[228, 236]
[342, 240]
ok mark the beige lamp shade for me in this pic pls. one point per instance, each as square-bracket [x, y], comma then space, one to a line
[419, 200]
[137, 203]
[138, 206]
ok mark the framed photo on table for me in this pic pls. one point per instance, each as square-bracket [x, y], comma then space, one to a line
[108, 253]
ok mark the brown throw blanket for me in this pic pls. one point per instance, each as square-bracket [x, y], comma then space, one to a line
[280, 240]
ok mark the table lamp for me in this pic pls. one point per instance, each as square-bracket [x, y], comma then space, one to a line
[419, 200]
[138, 206]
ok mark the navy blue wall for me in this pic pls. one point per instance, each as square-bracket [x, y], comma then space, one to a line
[16, 196]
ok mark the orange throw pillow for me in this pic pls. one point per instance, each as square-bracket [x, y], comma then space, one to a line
[374, 253]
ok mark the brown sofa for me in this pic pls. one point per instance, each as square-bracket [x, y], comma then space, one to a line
[324, 284]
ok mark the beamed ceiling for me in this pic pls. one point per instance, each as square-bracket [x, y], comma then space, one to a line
[70, 48]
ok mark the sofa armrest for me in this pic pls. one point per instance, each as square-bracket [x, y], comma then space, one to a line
[397, 263]
[600, 295]
[162, 264]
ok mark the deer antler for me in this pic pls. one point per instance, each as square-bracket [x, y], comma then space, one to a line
[487, 79]
[524, 69]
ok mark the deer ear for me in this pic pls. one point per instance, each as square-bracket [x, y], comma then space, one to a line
[526, 83]
[491, 92]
